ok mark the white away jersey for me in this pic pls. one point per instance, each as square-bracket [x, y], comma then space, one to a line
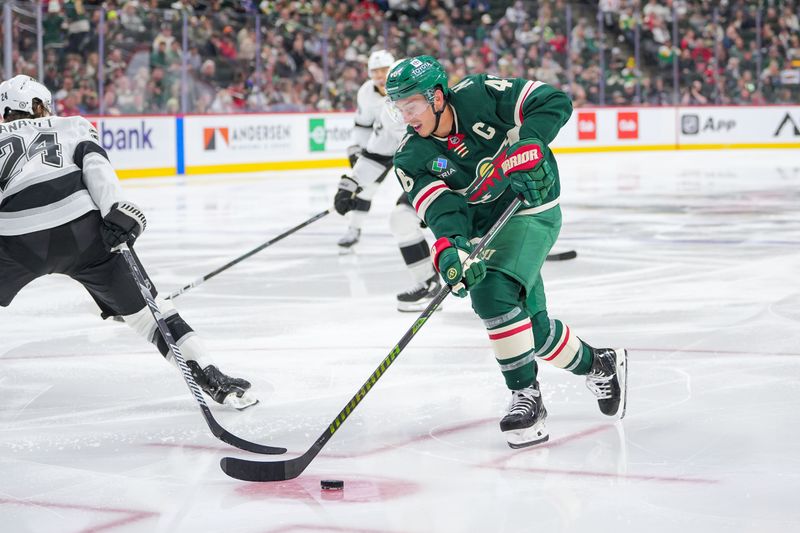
[52, 171]
[377, 130]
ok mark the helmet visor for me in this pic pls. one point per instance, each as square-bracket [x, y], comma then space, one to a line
[411, 107]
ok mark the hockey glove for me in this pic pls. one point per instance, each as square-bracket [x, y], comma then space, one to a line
[345, 199]
[448, 257]
[353, 153]
[123, 224]
[530, 174]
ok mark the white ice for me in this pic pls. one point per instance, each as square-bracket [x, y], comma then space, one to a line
[691, 260]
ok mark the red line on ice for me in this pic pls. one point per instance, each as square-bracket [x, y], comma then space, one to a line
[133, 516]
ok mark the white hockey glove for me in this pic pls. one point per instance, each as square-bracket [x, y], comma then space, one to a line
[123, 224]
[353, 153]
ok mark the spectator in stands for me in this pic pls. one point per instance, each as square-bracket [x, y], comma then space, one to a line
[309, 47]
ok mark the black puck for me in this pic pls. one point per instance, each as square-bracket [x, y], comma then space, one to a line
[332, 484]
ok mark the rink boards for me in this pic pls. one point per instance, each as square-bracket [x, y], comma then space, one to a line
[142, 146]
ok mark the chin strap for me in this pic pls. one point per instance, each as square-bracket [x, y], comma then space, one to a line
[438, 114]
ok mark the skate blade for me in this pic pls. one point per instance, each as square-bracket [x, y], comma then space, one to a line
[240, 403]
[523, 438]
[350, 250]
[622, 377]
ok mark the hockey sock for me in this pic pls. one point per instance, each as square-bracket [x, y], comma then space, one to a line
[557, 345]
[357, 215]
[511, 335]
[143, 323]
[405, 227]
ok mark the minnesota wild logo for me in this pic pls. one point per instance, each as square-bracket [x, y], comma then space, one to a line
[490, 183]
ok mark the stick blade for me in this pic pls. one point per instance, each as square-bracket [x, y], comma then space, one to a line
[244, 470]
[562, 256]
[225, 436]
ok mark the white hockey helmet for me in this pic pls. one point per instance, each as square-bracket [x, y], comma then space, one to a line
[379, 59]
[17, 94]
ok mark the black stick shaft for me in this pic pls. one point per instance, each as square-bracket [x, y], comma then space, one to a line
[291, 468]
[218, 431]
[251, 253]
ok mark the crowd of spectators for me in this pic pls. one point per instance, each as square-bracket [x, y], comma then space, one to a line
[224, 56]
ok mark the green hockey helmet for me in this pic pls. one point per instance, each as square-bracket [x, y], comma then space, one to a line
[416, 75]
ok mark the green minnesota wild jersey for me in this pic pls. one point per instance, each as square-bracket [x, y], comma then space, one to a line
[453, 182]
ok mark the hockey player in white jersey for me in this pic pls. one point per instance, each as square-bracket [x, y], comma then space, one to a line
[62, 211]
[377, 134]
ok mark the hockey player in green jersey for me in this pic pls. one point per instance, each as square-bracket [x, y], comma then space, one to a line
[470, 150]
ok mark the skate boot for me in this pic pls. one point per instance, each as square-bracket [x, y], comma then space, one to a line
[524, 424]
[350, 238]
[608, 379]
[220, 387]
[419, 296]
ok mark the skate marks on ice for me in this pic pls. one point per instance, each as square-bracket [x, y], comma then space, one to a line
[692, 270]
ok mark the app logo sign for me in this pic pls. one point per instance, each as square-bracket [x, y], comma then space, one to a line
[628, 125]
[587, 126]
[213, 137]
[690, 124]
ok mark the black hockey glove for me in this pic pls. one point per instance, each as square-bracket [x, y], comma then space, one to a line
[123, 224]
[345, 199]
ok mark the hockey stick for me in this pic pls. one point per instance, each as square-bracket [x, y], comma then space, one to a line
[218, 431]
[291, 468]
[241, 258]
[562, 256]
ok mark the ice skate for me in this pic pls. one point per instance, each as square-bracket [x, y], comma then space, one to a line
[419, 296]
[349, 240]
[608, 379]
[222, 388]
[524, 425]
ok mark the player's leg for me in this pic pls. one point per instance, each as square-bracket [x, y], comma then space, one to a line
[407, 231]
[369, 172]
[498, 301]
[13, 275]
[107, 278]
[605, 368]
[555, 342]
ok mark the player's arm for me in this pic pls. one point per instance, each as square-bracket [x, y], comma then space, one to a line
[539, 111]
[443, 210]
[123, 221]
[362, 130]
[446, 214]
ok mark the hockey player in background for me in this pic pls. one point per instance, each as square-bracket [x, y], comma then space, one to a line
[377, 134]
[62, 211]
[474, 148]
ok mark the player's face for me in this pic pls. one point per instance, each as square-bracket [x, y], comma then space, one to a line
[378, 76]
[417, 113]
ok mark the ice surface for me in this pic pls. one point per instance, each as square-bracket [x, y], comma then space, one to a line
[689, 259]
